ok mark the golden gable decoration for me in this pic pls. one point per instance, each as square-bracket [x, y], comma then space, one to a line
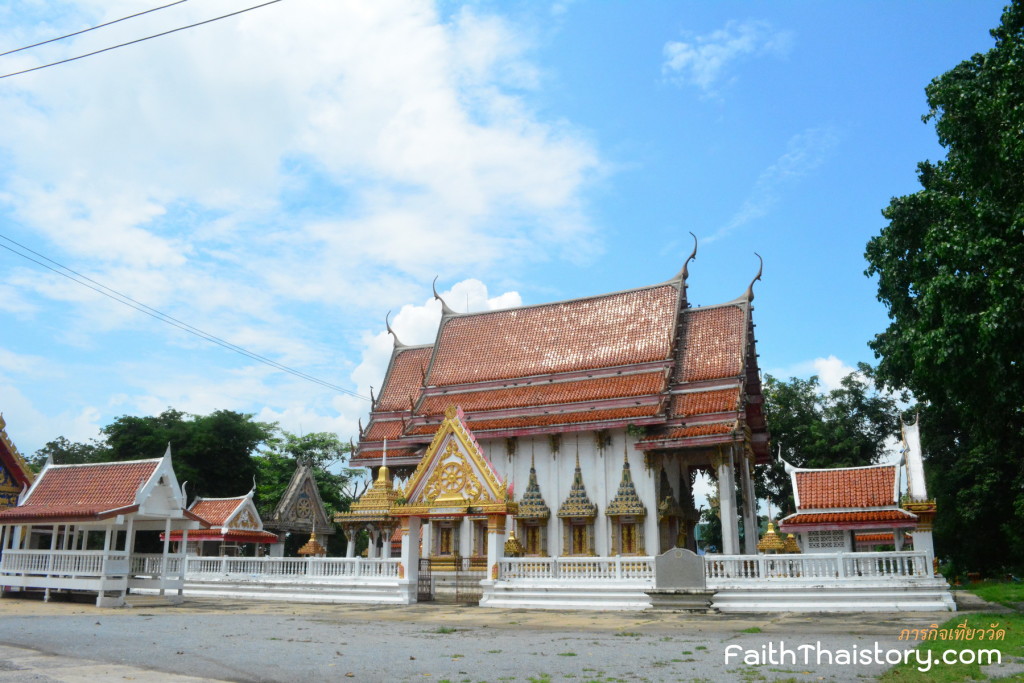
[454, 476]
[577, 504]
[626, 502]
[532, 506]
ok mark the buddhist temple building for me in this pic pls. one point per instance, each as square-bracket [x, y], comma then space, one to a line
[15, 474]
[300, 510]
[235, 528]
[603, 409]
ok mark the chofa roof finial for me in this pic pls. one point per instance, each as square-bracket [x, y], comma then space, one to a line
[749, 296]
[387, 324]
[685, 272]
[445, 308]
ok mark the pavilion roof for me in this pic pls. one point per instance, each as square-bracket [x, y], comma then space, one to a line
[84, 491]
[640, 357]
[846, 487]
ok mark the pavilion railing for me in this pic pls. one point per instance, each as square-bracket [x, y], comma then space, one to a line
[70, 563]
[734, 569]
[153, 564]
[289, 568]
[577, 568]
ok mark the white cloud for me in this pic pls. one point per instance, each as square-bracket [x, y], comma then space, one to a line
[279, 180]
[417, 324]
[830, 371]
[804, 153]
[704, 60]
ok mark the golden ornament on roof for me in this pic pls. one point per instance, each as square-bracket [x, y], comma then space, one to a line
[770, 542]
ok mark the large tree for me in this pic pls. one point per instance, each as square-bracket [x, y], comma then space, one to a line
[949, 266]
[849, 426]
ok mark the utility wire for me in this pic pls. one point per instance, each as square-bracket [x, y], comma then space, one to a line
[86, 30]
[163, 317]
[138, 40]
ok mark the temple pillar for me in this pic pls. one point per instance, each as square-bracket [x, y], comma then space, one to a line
[749, 507]
[351, 534]
[371, 549]
[727, 503]
[495, 544]
[409, 566]
[897, 539]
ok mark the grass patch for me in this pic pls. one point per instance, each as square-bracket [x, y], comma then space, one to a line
[701, 647]
[628, 634]
[1005, 593]
[494, 652]
[444, 629]
[752, 629]
[566, 654]
[1011, 646]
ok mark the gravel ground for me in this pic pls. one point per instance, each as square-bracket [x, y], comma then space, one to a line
[266, 641]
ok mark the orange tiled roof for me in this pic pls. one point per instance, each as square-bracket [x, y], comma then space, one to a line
[383, 429]
[548, 393]
[714, 343]
[881, 538]
[371, 454]
[704, 402]
[82, 491]
[846, 517]
[216, 511]
[604, 331]
[846, 487]
[405, 378]
[550, 419]
[694, 430]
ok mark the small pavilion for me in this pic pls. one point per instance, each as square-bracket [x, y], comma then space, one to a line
[75, 530]
[300, 510]
[235, 523]
[834, 505]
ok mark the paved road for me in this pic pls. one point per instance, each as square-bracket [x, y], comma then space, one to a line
[216, 639]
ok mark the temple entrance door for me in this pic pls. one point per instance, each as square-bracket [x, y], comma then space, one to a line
[468, 576]
[424, 582]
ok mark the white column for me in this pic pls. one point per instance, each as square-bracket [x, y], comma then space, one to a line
[182, 561]
[727, 504]
[163, 559]
[410, 562]
[749, 507]
[897, 539]
[427, 530]
[351, 533]
[371, 550]
[495, 545]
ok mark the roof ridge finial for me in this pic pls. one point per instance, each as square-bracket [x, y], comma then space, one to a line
[387, 324]
[685, 272]
[445, 308]
[749, 296]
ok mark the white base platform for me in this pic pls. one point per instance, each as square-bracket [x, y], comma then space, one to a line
[919, 595]
[375, 593]
[567, 594]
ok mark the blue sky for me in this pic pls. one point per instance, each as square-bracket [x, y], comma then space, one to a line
[284, 178]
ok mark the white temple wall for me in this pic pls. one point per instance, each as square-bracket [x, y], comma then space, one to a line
[602, 472]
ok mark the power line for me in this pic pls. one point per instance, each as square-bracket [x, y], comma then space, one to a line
[93, 28]
[138, 40]
[126, 300]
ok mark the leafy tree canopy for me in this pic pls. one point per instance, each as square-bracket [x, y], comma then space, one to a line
[845, 427]
[949, 266]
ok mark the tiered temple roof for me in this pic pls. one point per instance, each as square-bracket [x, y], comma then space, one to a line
[232, 520]
[640, 357]
[846, 498]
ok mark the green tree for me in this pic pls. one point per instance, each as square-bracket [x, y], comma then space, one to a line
[949, 266]
[63, 452]
[326, 454]
[211, 452]
[845, 427]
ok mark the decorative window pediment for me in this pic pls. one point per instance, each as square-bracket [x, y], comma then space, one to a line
[578, 503]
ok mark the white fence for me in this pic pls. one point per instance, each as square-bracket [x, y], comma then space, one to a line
[289, 569]
[826, 567]
[577, 568]
[71, 563]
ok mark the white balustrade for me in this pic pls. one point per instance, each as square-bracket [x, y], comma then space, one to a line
[71, 563]
[288, 568]
[816, 566]
[578, 568]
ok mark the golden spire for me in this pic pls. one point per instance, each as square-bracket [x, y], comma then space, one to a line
[770, 542]
[790, 545]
